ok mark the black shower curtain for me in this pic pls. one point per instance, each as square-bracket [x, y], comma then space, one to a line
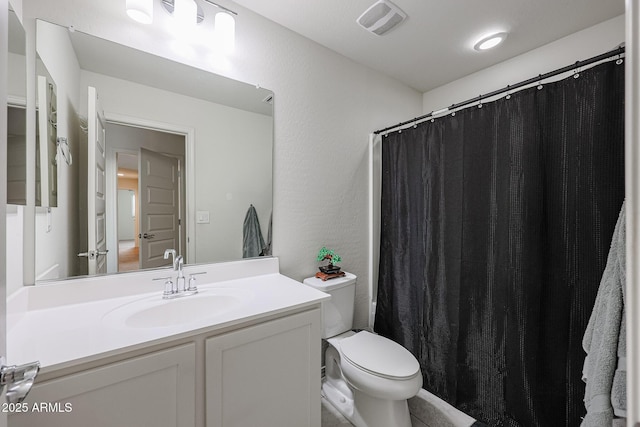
[495, 228]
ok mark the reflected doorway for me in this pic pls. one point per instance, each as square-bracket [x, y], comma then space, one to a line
[128, 243]
[126, 143]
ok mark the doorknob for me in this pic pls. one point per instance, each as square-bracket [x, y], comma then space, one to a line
[148, 236]
[18, 379]
[93, 254]
[88, 254]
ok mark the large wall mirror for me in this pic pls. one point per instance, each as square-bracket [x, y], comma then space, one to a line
[155, 155]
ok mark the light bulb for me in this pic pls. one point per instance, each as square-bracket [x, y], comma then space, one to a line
[185, 13]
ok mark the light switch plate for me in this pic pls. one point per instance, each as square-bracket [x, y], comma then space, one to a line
[202, 217]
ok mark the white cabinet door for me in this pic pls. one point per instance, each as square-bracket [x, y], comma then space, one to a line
[156, 390]
[266, 375]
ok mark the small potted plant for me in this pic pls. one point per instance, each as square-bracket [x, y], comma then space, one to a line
[332, 257]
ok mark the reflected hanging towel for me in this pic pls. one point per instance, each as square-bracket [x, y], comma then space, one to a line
[267, 245]
[604, 340]
[252, 241]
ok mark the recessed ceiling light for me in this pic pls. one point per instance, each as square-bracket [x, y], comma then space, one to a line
[140, 10]
[490, 41]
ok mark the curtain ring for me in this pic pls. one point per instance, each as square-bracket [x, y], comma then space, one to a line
[576, 72]
[540, 81]
[620, 60]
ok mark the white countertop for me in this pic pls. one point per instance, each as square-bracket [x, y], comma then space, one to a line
[60, 334]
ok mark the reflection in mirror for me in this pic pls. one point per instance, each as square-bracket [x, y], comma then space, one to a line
[16, 155]
[182, 155]
[46, 136]
[16, 115]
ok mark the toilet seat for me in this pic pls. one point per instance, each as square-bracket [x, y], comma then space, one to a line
[379, 356]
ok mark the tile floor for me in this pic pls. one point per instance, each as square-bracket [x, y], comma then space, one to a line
[331, 417]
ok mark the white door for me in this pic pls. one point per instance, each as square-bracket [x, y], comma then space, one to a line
[96, 186]
[159, 207]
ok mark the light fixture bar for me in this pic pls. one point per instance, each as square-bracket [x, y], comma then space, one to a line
[220, 7]
[168, 6]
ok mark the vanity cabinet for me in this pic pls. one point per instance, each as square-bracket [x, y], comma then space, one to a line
[157, 389]
[266, 375]
[262, 373]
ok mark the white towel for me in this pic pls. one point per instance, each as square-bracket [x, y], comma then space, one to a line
[604, 341]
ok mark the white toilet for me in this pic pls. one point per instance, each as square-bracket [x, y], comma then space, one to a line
[368, 378]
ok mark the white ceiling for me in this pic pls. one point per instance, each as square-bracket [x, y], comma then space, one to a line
[434, 45]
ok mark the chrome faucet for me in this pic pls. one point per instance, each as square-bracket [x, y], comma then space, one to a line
[180, 288]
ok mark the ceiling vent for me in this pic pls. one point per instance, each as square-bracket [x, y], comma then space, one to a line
[381, 17]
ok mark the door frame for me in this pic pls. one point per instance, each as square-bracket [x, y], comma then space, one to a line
[632, 193]
[188, 175]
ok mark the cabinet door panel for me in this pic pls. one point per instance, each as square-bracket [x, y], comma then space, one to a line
[157, 390]
[266, 375]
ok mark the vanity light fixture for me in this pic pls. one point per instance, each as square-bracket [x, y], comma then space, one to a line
[490, 41]
[140, 10]
[189, 12]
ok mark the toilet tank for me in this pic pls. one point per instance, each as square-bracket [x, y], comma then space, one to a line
[337, 313]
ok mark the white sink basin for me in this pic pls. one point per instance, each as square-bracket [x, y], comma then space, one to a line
[155, 312]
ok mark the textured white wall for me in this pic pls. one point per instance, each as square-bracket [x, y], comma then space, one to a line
[325, 106]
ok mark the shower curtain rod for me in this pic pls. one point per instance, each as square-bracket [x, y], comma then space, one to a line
[616, 52]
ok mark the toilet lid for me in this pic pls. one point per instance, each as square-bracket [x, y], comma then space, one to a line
[379, 355]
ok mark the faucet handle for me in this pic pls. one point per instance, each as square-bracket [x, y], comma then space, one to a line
[192, 281]
[178, 263]
[168, 286]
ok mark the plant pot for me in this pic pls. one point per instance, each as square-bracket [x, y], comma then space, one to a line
[330, 269]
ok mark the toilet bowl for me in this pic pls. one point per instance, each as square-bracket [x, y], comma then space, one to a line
[368, 378]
